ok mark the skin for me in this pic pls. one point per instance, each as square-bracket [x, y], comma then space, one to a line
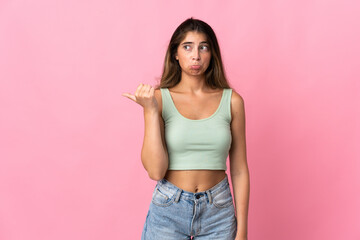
[194, 100]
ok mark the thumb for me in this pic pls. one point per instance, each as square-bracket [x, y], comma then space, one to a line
[130, 96]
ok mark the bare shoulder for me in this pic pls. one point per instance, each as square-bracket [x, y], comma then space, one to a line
[237, 104]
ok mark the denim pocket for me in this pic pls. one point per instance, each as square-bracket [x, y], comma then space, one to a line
[223, 199]
[161, 197]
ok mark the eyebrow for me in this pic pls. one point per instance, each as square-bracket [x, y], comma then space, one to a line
[192, 42]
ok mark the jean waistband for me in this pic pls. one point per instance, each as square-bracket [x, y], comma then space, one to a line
[172, 189]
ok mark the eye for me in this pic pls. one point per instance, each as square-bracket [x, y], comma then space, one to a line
[204, 47]
[185, 47]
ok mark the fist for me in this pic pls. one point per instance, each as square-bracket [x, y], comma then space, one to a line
[145, 96]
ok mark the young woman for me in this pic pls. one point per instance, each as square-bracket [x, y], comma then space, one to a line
[193, 121]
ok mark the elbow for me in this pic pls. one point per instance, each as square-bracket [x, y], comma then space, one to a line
[155, 177]
[157, 174]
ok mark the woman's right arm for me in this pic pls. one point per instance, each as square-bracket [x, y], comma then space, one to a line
[154, 155]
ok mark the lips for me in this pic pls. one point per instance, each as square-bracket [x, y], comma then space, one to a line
[195, 66]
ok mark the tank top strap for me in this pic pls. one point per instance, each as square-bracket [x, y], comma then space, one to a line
[167, 108]
[225, 109]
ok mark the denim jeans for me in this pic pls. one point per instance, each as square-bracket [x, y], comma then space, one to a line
[176, 214]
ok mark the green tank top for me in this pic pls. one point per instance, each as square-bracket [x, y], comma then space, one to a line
[197, 144]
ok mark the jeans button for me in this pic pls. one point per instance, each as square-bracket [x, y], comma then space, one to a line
[198, 196]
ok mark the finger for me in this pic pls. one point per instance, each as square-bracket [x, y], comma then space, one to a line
[147, 90]
[152, 91]
[138, 90]
[130, 96]
[143, 90]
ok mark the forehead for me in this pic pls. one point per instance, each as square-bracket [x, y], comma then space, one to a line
[193, 36]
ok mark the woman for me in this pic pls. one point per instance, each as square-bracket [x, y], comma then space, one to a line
[193, 121]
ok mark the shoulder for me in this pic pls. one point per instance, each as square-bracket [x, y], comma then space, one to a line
[237, 104]
[236, 98]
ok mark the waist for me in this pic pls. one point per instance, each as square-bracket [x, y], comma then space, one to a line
[195, 180]
[222, 184]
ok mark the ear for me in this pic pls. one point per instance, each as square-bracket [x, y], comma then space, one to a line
[176, 57]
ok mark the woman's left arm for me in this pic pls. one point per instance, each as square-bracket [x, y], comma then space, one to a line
[238, 165]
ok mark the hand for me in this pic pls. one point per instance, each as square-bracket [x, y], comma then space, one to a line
[144, 96]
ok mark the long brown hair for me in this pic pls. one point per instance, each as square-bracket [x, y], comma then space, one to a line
[214, 74]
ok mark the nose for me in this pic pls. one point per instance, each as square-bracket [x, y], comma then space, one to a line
[196, 55]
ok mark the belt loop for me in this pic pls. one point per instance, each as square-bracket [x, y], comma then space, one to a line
[178, 195]
[209, 196]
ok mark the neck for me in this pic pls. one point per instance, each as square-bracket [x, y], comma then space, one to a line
[192, 83]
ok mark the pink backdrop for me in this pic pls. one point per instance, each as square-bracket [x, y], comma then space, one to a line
[70, 144]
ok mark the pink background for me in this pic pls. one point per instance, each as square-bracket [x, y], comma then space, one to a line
[70, 144]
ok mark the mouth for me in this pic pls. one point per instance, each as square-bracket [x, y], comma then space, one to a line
[195, 66]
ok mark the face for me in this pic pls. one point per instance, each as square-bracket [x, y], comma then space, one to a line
[194, 53]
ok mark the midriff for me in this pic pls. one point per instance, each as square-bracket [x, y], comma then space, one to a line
[195, 180]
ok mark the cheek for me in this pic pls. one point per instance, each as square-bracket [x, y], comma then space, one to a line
[183, 58]
[208, 62]
[182, 63]
[208, 59]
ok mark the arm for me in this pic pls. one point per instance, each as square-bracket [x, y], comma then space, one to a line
[238, 165]
[154, 154]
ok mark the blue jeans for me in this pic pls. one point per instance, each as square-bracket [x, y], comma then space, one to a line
[176, 214]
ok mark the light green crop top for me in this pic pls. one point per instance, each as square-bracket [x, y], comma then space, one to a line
[197, 144]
